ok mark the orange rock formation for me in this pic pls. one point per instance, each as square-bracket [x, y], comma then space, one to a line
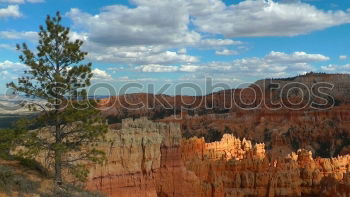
[148, 159]
[245, 113]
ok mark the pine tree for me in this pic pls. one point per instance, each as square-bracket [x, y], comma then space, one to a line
[68, 129]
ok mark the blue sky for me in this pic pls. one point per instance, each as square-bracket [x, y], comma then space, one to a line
[173, 41]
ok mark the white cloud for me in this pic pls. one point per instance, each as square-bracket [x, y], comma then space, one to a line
[169, 57]
[165, 24]
[12, 1]
[9, 70]
[137, 55]
[329, 68]
[7, 46]
[189, 68]
[21, 1]
[10, 11]
[101, 74]
[182, 51]
[150, 31]
[268, 18]
[14, 69]
[15, 35]
[11, 65]
[336, 68]
[274, 64]
[219, 42]
[146, 34]
[156, 68]
[343, 57]
[295, 57]
[36, 1]
[226, 52]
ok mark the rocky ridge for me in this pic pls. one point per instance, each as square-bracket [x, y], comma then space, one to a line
[261, 95]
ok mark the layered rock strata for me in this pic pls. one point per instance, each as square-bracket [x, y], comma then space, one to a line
[134, 158]
[235, 168]
[147, 159]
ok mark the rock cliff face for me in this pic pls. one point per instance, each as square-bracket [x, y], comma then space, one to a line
[326, 133]
[134, 158]
[147, 159]
[235, 168]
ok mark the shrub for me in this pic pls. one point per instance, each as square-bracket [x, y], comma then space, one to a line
[10, 182]
[71, 191]
[5, 175]
[267, 135]
[212, 135]
[33, 165]
[6, 140]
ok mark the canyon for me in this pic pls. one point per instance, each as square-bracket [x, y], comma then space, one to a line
[204, 146]
[277, 137]
[147, 158]
[261, 113]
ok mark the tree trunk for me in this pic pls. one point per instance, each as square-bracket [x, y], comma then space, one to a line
[58, 157]
[58, 167]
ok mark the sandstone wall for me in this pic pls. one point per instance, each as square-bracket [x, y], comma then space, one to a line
[326, 133]
[147, 159]
[236, 168]
[134, 158]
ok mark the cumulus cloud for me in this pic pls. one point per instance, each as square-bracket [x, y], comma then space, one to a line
[132, 54]
[150, 23]
[15, 35]
[36, 1]
[138, 55]
[189, 68]
[226, 52]
[167, 23]
[156, 68]
[21, 1]
[295, 57]
[343, 57]
[11, 65]
[182, 51]
[145, 34]
[158, 32]
[12, 1]
[268, 18]
[10, 11]
[153, 35]
[7, 46]
[329, 68]
[336, 68]
[218, 42]
[10, 70]
[100, 74]
[14, 68]
[274, 64]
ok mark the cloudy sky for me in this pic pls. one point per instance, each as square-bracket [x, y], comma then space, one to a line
[171, 41]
